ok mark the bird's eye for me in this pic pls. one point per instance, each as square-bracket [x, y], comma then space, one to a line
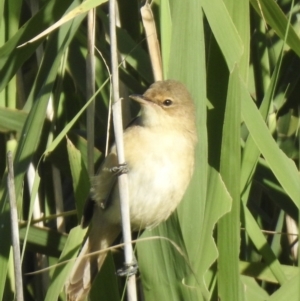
[167, 102]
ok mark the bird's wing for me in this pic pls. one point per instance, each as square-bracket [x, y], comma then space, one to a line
[102, 185]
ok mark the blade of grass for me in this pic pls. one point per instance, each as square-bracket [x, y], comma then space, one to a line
[61, 272]
[11, 57]
[190, 72]
[224, 31]
[289, 291]
[262, 245]
[66, 129]
[83, 8]
[284, 168]
[228, 226]
[80, 177]
[218, 203]
[275, 17]
[32, 129]
[12, 120]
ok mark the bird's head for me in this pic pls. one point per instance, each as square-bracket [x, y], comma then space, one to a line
[167, 104]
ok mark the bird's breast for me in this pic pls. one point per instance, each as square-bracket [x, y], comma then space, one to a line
[160, 167]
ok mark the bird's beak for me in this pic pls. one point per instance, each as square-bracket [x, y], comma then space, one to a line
[139, 98]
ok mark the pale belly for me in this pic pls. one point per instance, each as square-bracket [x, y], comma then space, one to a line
[156, 194]
[157, 181]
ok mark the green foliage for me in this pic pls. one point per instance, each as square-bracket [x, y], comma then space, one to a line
[232, 237]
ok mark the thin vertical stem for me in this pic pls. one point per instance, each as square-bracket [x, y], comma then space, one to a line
[152, 41]
[118, 128]
[14, 229]
[90, 90]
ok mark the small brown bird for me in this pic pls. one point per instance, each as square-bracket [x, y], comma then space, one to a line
[159, 152]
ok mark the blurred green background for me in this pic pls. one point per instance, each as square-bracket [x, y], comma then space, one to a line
[235, 234]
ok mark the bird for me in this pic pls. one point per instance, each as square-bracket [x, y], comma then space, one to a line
[160, 153]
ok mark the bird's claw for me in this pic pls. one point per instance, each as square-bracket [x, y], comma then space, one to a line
[128, 270]
[119, 169]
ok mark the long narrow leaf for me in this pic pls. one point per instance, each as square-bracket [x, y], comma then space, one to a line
[284, 168]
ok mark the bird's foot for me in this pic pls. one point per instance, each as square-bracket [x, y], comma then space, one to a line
[128, 270]
[119, 169]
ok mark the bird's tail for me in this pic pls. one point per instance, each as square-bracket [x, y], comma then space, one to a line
[85, 268]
